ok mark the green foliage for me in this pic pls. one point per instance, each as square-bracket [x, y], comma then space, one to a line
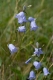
[0, 62]
[43, 11]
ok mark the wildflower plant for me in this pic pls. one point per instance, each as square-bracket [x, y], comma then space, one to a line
[22, 58]
[21, 18]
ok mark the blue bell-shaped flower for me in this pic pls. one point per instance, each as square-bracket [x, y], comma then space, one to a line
[21, 17]
[30, 19]
[21, 29]
[33, 25]
[37, 64]
[12, 48]
[45, 71]
[32, 75]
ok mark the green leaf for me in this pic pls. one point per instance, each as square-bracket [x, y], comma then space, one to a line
[41, 76]
[18, 72]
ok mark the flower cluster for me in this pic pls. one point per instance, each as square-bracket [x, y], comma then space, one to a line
[22, 19]
[38, 51]
[36, 64]
[32, 75]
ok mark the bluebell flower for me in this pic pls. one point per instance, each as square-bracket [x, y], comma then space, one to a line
[21, 29]
[28, 61]
[21, 17]
[32, 75]
[37, 64]
[30, 19]
[33, 25]
[45, 71]
[12, 48]
[38, 51]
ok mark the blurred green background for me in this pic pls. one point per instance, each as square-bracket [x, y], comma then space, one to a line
[12, 67]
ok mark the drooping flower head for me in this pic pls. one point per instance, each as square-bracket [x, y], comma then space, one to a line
[33, 26]
[21, 29]
[45, 71]
[30, 19]
[37, 64]
[21, 17]
[12, 48]
[32, 75]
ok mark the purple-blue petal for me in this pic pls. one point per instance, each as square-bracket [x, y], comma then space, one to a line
[45, 71]
[37, 64]
[32, 75]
